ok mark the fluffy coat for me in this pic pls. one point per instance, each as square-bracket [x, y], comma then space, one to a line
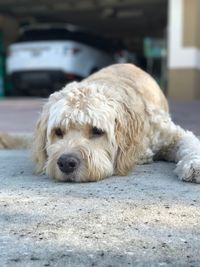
[107, 123]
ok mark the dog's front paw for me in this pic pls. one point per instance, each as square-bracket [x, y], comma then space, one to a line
[189, 170]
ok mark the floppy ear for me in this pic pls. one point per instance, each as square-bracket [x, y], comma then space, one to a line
[39, 142]
[39, 154]
[129, 126]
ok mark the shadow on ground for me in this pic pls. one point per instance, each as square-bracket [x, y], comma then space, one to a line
[149, 218]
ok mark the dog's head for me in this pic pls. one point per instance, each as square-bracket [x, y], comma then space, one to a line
[86, 133]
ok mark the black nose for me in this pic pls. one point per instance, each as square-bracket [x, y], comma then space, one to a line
[68, 163]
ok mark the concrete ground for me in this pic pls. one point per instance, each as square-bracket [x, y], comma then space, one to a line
[148, 218]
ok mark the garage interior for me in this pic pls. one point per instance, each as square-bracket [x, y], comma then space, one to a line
[129, 21]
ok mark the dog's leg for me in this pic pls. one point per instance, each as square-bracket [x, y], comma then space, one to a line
[15, 141]
[188, 158]
[146, 157]
[170, 142]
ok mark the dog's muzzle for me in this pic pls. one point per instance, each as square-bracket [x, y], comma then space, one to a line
[68, 163]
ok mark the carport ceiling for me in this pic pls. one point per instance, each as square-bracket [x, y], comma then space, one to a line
[114, 18]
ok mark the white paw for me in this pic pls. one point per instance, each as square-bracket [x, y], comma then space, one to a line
[146, 157]
[189, 170]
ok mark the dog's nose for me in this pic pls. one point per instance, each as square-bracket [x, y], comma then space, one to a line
[68, 163]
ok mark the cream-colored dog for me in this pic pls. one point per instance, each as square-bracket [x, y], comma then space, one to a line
[104, 125]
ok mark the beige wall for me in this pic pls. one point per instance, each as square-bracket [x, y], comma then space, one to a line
[191, 23]
[184, 84]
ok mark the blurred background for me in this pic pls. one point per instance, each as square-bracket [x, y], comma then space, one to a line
[45, 44]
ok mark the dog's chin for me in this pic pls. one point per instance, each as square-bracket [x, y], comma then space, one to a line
[67, 178]
[76, 177]
[55, 174]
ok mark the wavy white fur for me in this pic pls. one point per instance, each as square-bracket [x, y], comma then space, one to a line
[127, 105]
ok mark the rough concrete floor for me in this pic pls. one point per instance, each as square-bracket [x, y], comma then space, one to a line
[149, 218]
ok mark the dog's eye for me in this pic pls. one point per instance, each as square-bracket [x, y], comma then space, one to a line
[59, 132]
[97, 132]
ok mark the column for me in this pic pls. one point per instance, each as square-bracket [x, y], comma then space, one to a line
[184, 49]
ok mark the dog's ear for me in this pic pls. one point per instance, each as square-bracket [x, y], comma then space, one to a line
[128, 134]
[39, 142]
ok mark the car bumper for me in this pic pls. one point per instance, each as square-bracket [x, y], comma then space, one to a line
[26, 80]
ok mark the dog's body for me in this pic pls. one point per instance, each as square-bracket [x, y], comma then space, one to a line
[106, 124]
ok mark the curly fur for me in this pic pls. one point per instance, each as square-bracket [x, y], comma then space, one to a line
[132, 112]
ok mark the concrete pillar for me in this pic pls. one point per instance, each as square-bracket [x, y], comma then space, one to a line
[9, 26]
[184, 50]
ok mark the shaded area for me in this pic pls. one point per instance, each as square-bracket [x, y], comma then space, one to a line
[186, 113]
[19, 115]
[148, 218]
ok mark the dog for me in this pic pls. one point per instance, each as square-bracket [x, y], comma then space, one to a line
[106, 124]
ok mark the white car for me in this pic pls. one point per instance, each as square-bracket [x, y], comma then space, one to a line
[47, 57]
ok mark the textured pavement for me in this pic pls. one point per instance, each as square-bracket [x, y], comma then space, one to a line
[148, 218]
[19, 115]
